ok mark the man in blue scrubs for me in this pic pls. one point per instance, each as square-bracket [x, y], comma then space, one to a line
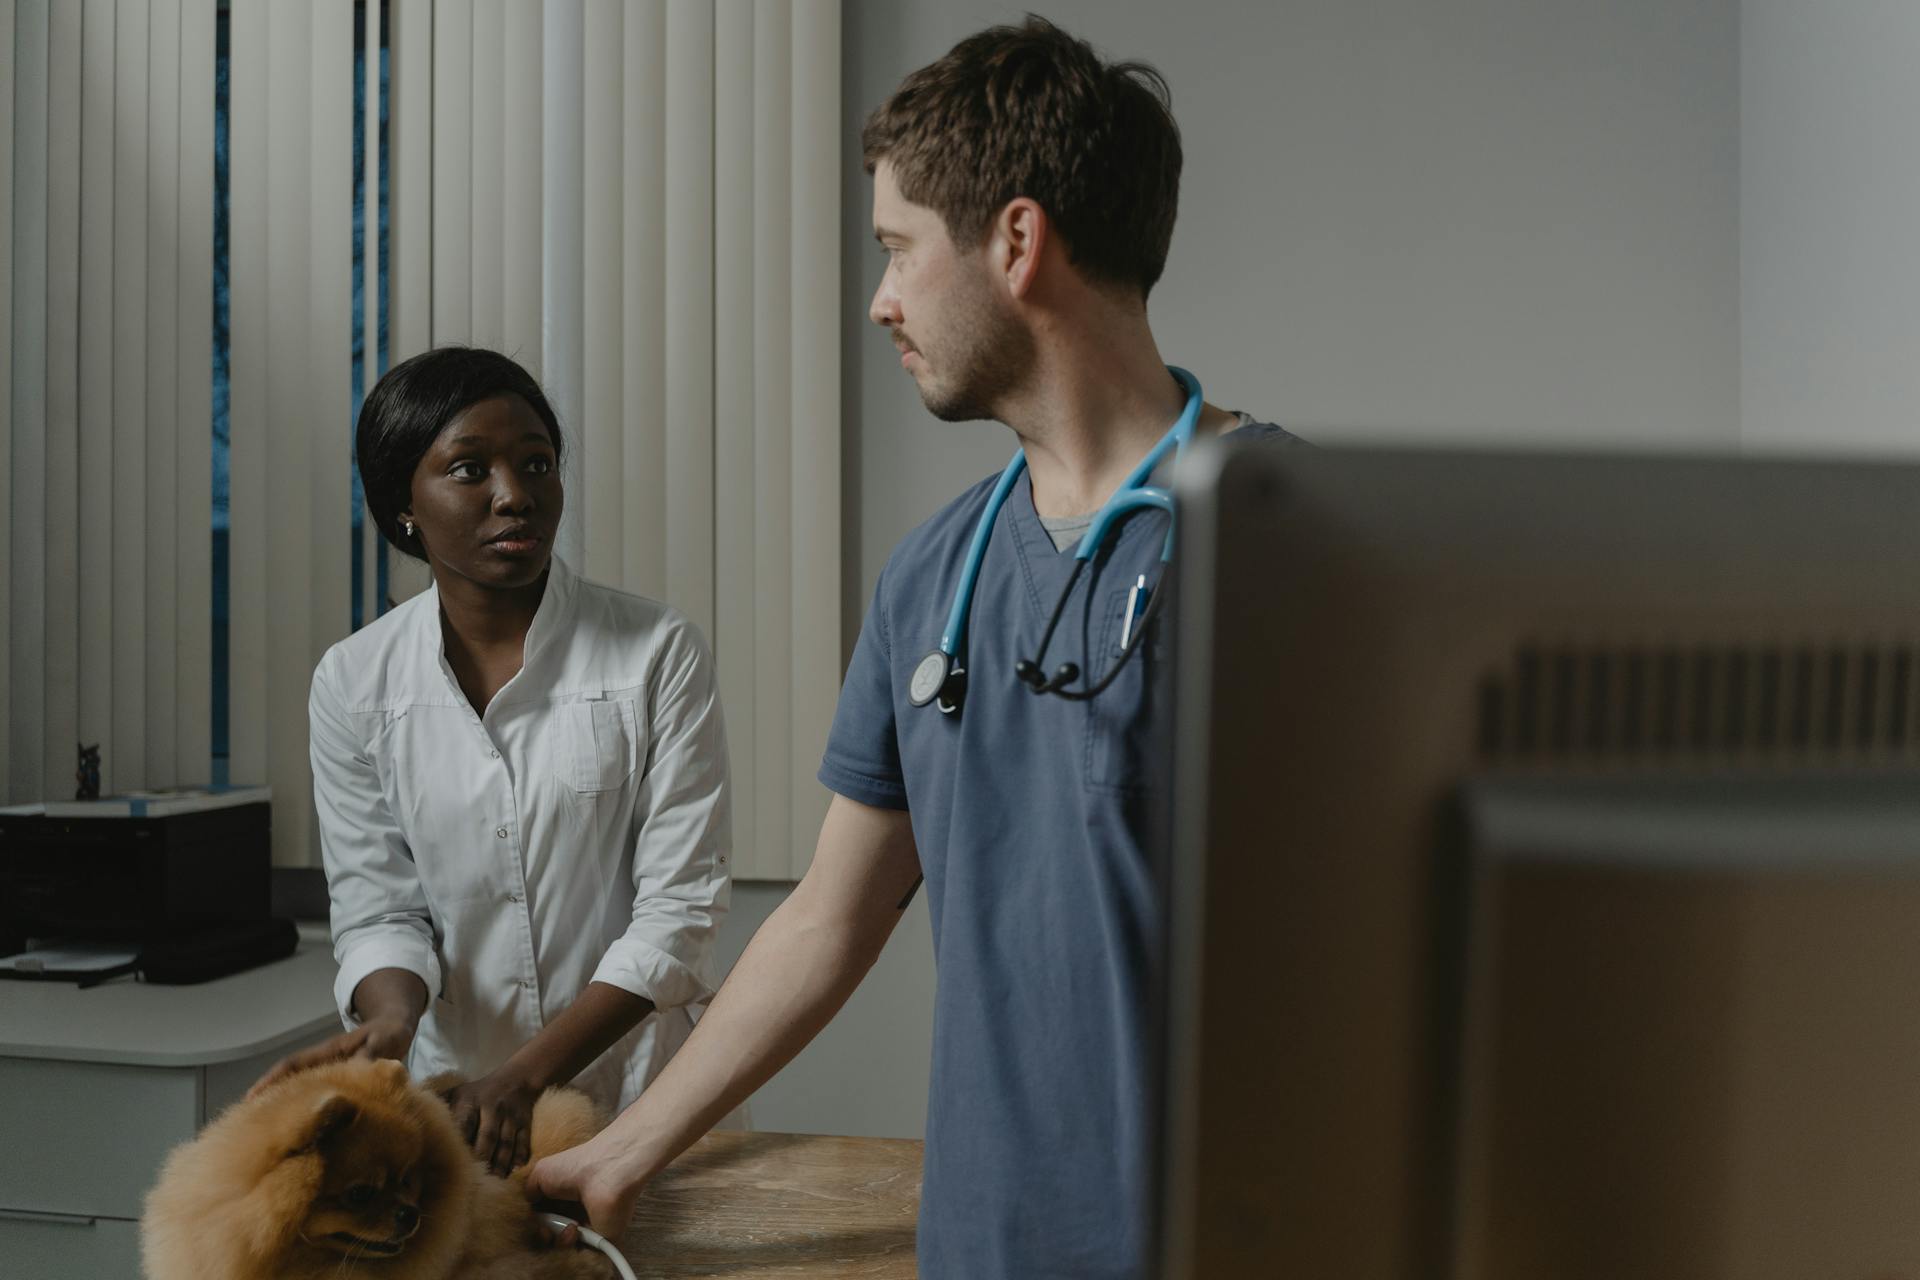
[1024, 193]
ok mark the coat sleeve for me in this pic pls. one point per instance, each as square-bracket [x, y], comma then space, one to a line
[681, 878]
[379, 909]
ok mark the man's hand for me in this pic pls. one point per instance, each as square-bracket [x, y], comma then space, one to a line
[495, 1115]
[593, 1177]
[375, 1038]
[796, 973]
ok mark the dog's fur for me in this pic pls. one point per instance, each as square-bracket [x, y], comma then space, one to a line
[349, 1171]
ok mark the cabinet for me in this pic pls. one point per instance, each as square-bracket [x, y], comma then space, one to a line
[97, 1086]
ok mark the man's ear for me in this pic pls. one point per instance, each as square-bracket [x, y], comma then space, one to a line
[1020, 234]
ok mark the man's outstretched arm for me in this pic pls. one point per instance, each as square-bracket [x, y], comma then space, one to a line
[797, 972]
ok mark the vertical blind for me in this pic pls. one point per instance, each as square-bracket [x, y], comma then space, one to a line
[289, 463]
[106, 271]
[638, 199]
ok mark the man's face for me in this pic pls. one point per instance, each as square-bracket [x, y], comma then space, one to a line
[957, 330]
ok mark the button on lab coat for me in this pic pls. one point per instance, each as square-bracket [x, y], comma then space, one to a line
[578, 831]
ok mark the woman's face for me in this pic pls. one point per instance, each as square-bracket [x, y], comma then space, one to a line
[487, 497]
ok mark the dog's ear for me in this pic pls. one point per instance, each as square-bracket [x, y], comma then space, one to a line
[391, 1072]
[333, 1114]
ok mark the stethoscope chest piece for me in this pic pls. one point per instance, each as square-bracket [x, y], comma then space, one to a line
[939, 678]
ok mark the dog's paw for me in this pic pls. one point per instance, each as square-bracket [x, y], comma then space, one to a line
[604, 1268]
[588, 1264]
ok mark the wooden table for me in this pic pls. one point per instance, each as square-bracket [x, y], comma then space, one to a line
[781, 1204]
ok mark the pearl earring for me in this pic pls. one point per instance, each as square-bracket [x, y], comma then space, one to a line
[408, 526]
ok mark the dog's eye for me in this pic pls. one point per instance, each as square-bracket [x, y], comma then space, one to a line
[359, 1197]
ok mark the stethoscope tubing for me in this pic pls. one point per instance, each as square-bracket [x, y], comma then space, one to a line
[1128, 498]
[1136, 493]
[956, 632]
[591, 1239]
[941, 672]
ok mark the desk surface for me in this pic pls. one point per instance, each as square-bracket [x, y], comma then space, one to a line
[781, 1205]
[263, 1010]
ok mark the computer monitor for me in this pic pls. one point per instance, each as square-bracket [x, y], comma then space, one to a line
[1545, 882]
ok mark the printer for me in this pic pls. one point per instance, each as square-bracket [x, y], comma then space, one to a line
[184, 887]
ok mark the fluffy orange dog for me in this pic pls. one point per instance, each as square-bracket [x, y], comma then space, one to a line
[351, 1172]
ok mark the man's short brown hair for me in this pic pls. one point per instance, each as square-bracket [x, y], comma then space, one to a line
[1031, 111]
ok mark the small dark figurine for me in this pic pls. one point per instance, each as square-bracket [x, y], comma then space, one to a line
[87, 776]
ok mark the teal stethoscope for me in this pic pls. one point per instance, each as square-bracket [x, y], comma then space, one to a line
[942, 680]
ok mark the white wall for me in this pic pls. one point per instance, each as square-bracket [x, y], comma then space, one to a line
[1495, 220]
[1830, 226]
[1452, 220]
[866, 1074]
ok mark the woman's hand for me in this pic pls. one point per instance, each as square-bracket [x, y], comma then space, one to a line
[389, 1003]
[593, 1177]
[495, 1115]
[383, 1037]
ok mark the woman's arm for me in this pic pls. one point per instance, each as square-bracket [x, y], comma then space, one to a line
[394, 996]
[388, 1003]
[496, 1112]
[380, 915]
[382, 930]
[684, 835]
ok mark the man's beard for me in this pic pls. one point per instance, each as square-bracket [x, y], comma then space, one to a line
[987, 352]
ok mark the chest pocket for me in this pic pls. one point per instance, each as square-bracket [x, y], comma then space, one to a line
[599, 744]
[1128, 723]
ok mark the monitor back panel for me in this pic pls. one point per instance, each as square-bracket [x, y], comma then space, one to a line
[1359, 634]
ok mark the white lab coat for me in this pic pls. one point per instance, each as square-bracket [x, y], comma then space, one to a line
[578, 831]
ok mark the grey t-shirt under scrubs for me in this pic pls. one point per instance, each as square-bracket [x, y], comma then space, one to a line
[1032, 816]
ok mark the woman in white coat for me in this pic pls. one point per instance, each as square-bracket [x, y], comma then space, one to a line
[520, 776]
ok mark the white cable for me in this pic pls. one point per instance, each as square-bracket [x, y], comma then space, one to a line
[592, 1239]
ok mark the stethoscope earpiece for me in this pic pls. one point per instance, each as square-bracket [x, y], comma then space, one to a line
[1028, 673]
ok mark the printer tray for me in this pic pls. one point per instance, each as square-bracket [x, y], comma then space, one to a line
[199, 956]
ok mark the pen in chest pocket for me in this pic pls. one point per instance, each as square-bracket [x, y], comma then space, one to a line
[1136, 604]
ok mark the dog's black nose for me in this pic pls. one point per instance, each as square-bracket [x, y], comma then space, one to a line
[406, 1217]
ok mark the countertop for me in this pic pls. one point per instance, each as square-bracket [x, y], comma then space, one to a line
[781, 1205]
[267, 1009]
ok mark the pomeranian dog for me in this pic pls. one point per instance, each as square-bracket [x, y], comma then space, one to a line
[350, 1171]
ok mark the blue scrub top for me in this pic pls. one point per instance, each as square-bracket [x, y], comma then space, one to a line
[1035, 820]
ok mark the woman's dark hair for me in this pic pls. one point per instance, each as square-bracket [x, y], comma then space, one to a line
[409, 407]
